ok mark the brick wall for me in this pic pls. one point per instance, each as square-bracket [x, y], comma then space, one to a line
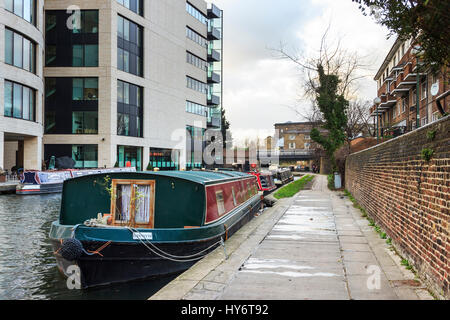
[409, 198]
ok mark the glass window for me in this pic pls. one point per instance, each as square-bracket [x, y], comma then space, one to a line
[120, 91]
[18, 50]
[85, 122]
[9, 36]
[90, 89]
[21, 8]
[85, 89]
[90, 21]
[77, 56]
[85, 156]
[9, 5]
[8, 99]
[26, 103]
[91, 55]
[17, 106]
[129, 54]
[77, 89]
[220, 203]
[27, 10]
[18, 7]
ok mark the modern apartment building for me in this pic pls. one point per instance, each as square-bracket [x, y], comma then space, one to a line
[21, 83]
[118, 82]
[397, 80]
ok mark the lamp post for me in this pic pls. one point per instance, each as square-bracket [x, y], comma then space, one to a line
[377, 102]
[416, 51]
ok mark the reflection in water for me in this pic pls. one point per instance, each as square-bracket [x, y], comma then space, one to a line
[27, 266]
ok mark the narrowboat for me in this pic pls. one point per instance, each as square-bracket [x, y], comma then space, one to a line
[44, 182]
[265, 181]
[119, 227]
[283, 176]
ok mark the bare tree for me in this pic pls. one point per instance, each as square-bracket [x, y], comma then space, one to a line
[347, 65]
[359, 119]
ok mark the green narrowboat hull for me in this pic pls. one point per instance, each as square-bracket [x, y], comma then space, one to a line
[113, 255]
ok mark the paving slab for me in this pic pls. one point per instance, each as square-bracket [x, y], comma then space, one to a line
[313, 246]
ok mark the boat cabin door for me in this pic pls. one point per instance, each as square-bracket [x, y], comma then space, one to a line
[133, 203]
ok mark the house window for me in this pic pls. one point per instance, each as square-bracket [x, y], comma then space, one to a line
[132, 202]
[292, 137]
[307, 137]
[435, 116]
[134, 5]
[19, 51]
[424, 90]
[19, 101]
[130, 48]
[220, 203]
[84, 89]
[292, 145]
[404, 104]
[22, 8]
[424, 121]
[307, 145]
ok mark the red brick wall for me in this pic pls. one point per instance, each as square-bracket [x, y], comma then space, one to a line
[409, 198]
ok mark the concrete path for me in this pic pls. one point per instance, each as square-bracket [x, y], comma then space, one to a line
[313, 246]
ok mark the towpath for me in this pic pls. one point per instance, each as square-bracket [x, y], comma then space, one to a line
[313, 246]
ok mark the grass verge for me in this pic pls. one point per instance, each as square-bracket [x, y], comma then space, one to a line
[293, 188]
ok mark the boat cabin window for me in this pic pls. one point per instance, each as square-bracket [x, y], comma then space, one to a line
[132, 202]
[234, 196]
[249, 191]
[220, 202]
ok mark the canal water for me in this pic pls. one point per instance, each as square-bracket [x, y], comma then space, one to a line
[27, 267]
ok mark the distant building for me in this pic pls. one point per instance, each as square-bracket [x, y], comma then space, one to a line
[397, 82]
[296, 135]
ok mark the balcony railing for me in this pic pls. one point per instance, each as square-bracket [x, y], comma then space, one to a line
[214, 122]
[213, 100]
[213, 56]
[214, 34]
[213, 77]
[214, 12]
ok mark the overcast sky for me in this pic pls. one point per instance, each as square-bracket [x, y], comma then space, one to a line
[258, 88]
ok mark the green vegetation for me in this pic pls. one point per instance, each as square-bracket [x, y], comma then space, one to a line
[406, 264]
[333, 107]
[330, 178]
[293, 188]
[431, 135]
[427, 154]
[425, 21]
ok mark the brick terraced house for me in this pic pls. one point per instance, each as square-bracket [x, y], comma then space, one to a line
[397, 88]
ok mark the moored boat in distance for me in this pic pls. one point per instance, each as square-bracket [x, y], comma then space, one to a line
[51, 181]
[265, 181]
[119, 227]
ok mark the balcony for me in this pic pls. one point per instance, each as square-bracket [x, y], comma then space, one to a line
[214, 12]
[214, 122]
[213, 77]
[213, 100]
[213, 56]
[214, 34]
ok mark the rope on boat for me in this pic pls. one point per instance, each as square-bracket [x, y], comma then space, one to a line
[171, 257]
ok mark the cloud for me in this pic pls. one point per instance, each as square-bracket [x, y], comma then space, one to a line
[259, 89]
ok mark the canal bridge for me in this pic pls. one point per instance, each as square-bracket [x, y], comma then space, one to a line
[271, 156]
